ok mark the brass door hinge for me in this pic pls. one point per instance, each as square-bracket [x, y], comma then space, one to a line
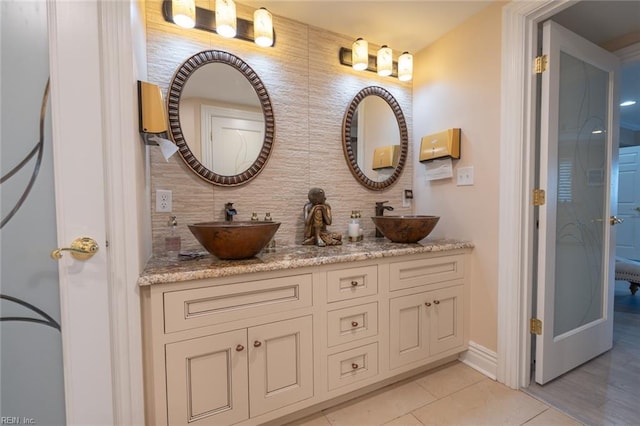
[535, 326]
[540, 64]
[538, 197]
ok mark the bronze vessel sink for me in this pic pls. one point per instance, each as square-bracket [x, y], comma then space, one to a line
[234, 240]
[405, 229]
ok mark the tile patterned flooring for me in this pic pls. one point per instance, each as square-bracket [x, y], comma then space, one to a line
[454, 394]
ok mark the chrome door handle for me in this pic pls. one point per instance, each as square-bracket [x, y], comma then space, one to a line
[615, 220]
[81, 248]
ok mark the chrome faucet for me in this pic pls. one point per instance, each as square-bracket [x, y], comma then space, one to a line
[380, 208]
[229, 212]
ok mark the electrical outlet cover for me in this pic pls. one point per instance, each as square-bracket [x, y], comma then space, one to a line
[164, 201]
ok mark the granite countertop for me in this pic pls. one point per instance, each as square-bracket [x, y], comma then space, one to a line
[161, 270]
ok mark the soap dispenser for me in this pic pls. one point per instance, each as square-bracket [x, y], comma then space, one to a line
[172, 240]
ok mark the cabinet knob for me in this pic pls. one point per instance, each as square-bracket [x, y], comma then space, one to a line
[354, 366]
[354, 323]
[239, 348]
[437, 302]
[354, 283]
[427, 304]
[257, 344]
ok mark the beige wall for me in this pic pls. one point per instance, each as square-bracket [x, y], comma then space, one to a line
[310, 92]
[457, 84]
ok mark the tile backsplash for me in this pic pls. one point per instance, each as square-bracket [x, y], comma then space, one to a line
[310, 92]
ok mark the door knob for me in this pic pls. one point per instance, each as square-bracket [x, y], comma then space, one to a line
[615, 220]
[81, 248]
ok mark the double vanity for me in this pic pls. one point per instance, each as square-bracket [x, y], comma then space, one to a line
[296, 330]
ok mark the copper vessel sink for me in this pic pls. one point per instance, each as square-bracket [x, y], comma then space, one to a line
[405, 229]
[234, 240]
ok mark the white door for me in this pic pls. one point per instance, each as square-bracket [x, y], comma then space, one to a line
[80, 209]
[628, 232]
[576, 248]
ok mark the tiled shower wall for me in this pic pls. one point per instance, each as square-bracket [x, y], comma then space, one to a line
[310, 92]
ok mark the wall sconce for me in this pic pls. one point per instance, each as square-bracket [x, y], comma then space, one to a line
[217, 22]
[152, 119]
[383, 64]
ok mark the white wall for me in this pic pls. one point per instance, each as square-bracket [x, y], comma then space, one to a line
[457, 84]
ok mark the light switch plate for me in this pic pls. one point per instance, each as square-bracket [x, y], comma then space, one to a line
[465, 176]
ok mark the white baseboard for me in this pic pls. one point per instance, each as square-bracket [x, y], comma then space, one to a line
[481, 359]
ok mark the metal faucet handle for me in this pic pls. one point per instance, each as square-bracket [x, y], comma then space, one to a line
[380, 203]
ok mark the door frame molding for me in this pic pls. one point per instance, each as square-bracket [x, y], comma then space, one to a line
[123, 176]
[517, 162]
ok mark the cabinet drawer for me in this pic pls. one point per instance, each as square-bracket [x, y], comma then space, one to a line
[353, 323]
[351, 283]
[345, 368]
[199, 307]
[415, 273]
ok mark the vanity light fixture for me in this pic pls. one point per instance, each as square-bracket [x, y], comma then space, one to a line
[222, 21]
[263, 27]
[385, 61]
[359, 59]
[405, 67]
[226, 18]
[184, 13]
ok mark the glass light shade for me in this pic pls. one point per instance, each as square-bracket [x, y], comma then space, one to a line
[263, 27]
[405, 67]
[385, 61]
[184, 13]
[226, 18]
[360, 55]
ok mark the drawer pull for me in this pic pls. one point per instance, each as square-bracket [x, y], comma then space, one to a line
[437, 302]
[427, 304]
[257, 344]
[354, 323]
[239, 348]
[354, 366]
[354, 283]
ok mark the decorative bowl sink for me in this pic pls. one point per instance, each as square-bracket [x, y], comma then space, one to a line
[405, 229]
[234, 240]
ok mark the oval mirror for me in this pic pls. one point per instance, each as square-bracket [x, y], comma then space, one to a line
[220, 117]
[375, 138]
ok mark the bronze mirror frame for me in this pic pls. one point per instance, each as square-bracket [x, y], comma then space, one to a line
[178, 82]
[346, 137]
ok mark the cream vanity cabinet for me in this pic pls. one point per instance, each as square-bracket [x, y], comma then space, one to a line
[257, 347]
[426, 309]
[222, 351]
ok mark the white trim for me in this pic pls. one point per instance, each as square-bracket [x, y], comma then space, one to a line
[481, 359]
[629, 53]
[519, 35]
[120, 139]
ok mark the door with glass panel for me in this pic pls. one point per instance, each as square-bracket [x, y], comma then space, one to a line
[578, 160]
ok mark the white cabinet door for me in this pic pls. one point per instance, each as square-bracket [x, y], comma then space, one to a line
[281, 364]
[409, 329]
[207, 380]
[425, 324]
[446, 326]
